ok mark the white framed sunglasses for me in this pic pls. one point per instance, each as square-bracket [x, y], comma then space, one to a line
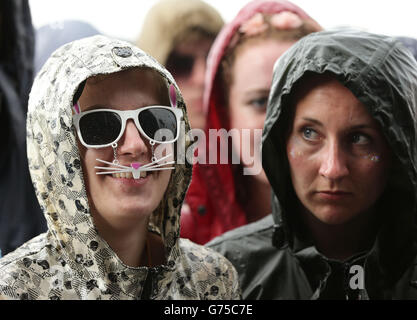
[103, 127]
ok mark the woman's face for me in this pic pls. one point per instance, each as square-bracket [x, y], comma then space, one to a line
[248, 96]
[339, 160]
[122, 201]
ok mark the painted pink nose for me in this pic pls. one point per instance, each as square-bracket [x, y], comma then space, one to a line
[135, 165]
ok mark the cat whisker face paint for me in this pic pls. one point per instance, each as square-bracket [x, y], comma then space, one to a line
[136, 169]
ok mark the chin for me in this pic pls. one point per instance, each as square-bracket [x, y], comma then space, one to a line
[334, 216]
[136, 209]
[261, 177]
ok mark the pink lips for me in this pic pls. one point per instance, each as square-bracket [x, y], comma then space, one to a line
[334, 195]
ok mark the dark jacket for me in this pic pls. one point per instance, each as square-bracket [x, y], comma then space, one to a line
[275, 257]
[20, 216]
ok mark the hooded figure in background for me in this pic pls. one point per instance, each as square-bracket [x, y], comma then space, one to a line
[20, 215]
[95, 207]
[339, 149]
[52, 36]
[179, 34]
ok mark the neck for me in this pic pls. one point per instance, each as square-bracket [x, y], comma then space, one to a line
[341, 242]
[258, 203]
[129, 243]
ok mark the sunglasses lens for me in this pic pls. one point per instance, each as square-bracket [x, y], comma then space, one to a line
[159, 124]
[180, 65]
[98, 128]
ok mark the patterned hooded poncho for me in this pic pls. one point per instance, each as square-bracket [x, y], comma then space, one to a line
[71, 260]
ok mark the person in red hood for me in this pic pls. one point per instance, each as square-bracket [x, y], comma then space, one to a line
[222, 197]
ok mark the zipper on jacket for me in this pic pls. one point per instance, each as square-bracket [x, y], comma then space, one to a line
[147, 287]
[346, 280]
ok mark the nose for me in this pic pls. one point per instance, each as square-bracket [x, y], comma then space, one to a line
[198, 71]
[132, 143]
[334, 163]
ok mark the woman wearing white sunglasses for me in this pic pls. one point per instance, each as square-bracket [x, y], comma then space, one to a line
[103, 121]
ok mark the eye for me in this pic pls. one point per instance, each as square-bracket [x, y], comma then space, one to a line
[310, 134]
[259, 103]
[360, 139]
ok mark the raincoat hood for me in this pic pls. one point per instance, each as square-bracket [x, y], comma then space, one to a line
[212, 195]
[383, 76]
[73, 253]
[169, 20]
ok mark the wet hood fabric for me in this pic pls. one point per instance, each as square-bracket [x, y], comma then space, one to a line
[276, 259]
[410, 44]
[20, 215]
[71, 260]
[212, 195]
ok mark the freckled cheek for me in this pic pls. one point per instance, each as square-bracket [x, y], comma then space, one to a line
[369, 177]
[297, 153]
[372, 173]
[295, 157]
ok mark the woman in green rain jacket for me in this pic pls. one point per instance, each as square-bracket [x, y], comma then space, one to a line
[339, 149]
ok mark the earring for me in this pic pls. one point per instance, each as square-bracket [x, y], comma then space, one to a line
[114, 146]
[152, 143]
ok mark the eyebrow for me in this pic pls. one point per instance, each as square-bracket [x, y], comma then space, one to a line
[95, 106]
[313, 120]
[354, 127]
[255, 91]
